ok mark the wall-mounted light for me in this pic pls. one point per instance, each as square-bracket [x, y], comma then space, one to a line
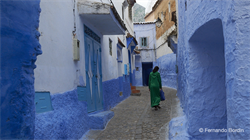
[158, 22]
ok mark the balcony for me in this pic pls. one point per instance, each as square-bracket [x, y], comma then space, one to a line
[102, 15]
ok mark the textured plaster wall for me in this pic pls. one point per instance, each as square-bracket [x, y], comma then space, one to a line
[231, 99]
[167, 63]
[111, 91]
[19, 50]
[69, 118]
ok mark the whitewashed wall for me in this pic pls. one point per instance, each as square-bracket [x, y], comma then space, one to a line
[146, 30]
[110, 64]
[56, 70]
[162, 47]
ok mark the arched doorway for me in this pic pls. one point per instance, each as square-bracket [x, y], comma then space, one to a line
[206, 78]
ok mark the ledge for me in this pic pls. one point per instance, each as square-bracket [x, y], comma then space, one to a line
[103, 16]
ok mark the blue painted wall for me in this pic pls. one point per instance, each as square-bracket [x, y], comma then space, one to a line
[213, 61]
[167, 63]
[69, 119]
[111, 91]
[19, 50]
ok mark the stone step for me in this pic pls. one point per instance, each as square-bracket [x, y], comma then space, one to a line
[100, 120]
[135, 91]
[133, 87]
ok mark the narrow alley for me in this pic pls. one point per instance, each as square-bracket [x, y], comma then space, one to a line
[82, 69]
[135, 119]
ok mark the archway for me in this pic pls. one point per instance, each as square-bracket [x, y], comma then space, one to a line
[207, 91]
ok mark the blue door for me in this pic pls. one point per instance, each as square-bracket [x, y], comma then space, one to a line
[93, 73]
[98, 75]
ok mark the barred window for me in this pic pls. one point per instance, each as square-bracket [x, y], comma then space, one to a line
[144, 42]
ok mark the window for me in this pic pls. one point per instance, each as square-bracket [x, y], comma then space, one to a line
[144, 42]
[110, 47]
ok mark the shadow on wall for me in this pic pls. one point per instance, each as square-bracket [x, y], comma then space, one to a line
[167, 63]
[206, 97]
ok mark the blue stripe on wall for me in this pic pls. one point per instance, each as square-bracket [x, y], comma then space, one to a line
[167, 70]
[111, 91]
[69, 120]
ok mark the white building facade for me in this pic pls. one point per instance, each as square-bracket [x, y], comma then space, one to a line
[146, 35]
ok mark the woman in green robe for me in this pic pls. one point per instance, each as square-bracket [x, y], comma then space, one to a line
[154, 84]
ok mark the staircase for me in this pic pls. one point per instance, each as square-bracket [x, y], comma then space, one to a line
[134, 92]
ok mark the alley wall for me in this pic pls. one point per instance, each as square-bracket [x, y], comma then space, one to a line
[167, 70]
[19, 50]
[224, 24]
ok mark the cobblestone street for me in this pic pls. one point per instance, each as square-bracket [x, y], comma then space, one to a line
[135, 119]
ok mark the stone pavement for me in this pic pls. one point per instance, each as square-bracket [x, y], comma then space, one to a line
[135, 119]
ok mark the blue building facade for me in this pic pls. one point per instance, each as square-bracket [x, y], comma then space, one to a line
[213, 64]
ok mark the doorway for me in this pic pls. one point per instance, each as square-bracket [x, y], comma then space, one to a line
[147, 67]
[93, 70]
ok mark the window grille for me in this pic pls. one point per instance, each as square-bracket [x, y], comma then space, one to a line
[144, 42]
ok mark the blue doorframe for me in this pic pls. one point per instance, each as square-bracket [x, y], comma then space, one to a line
[93, 70]
[147, 67]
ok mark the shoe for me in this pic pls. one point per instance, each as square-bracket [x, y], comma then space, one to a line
[159, 107]
[156, 108]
